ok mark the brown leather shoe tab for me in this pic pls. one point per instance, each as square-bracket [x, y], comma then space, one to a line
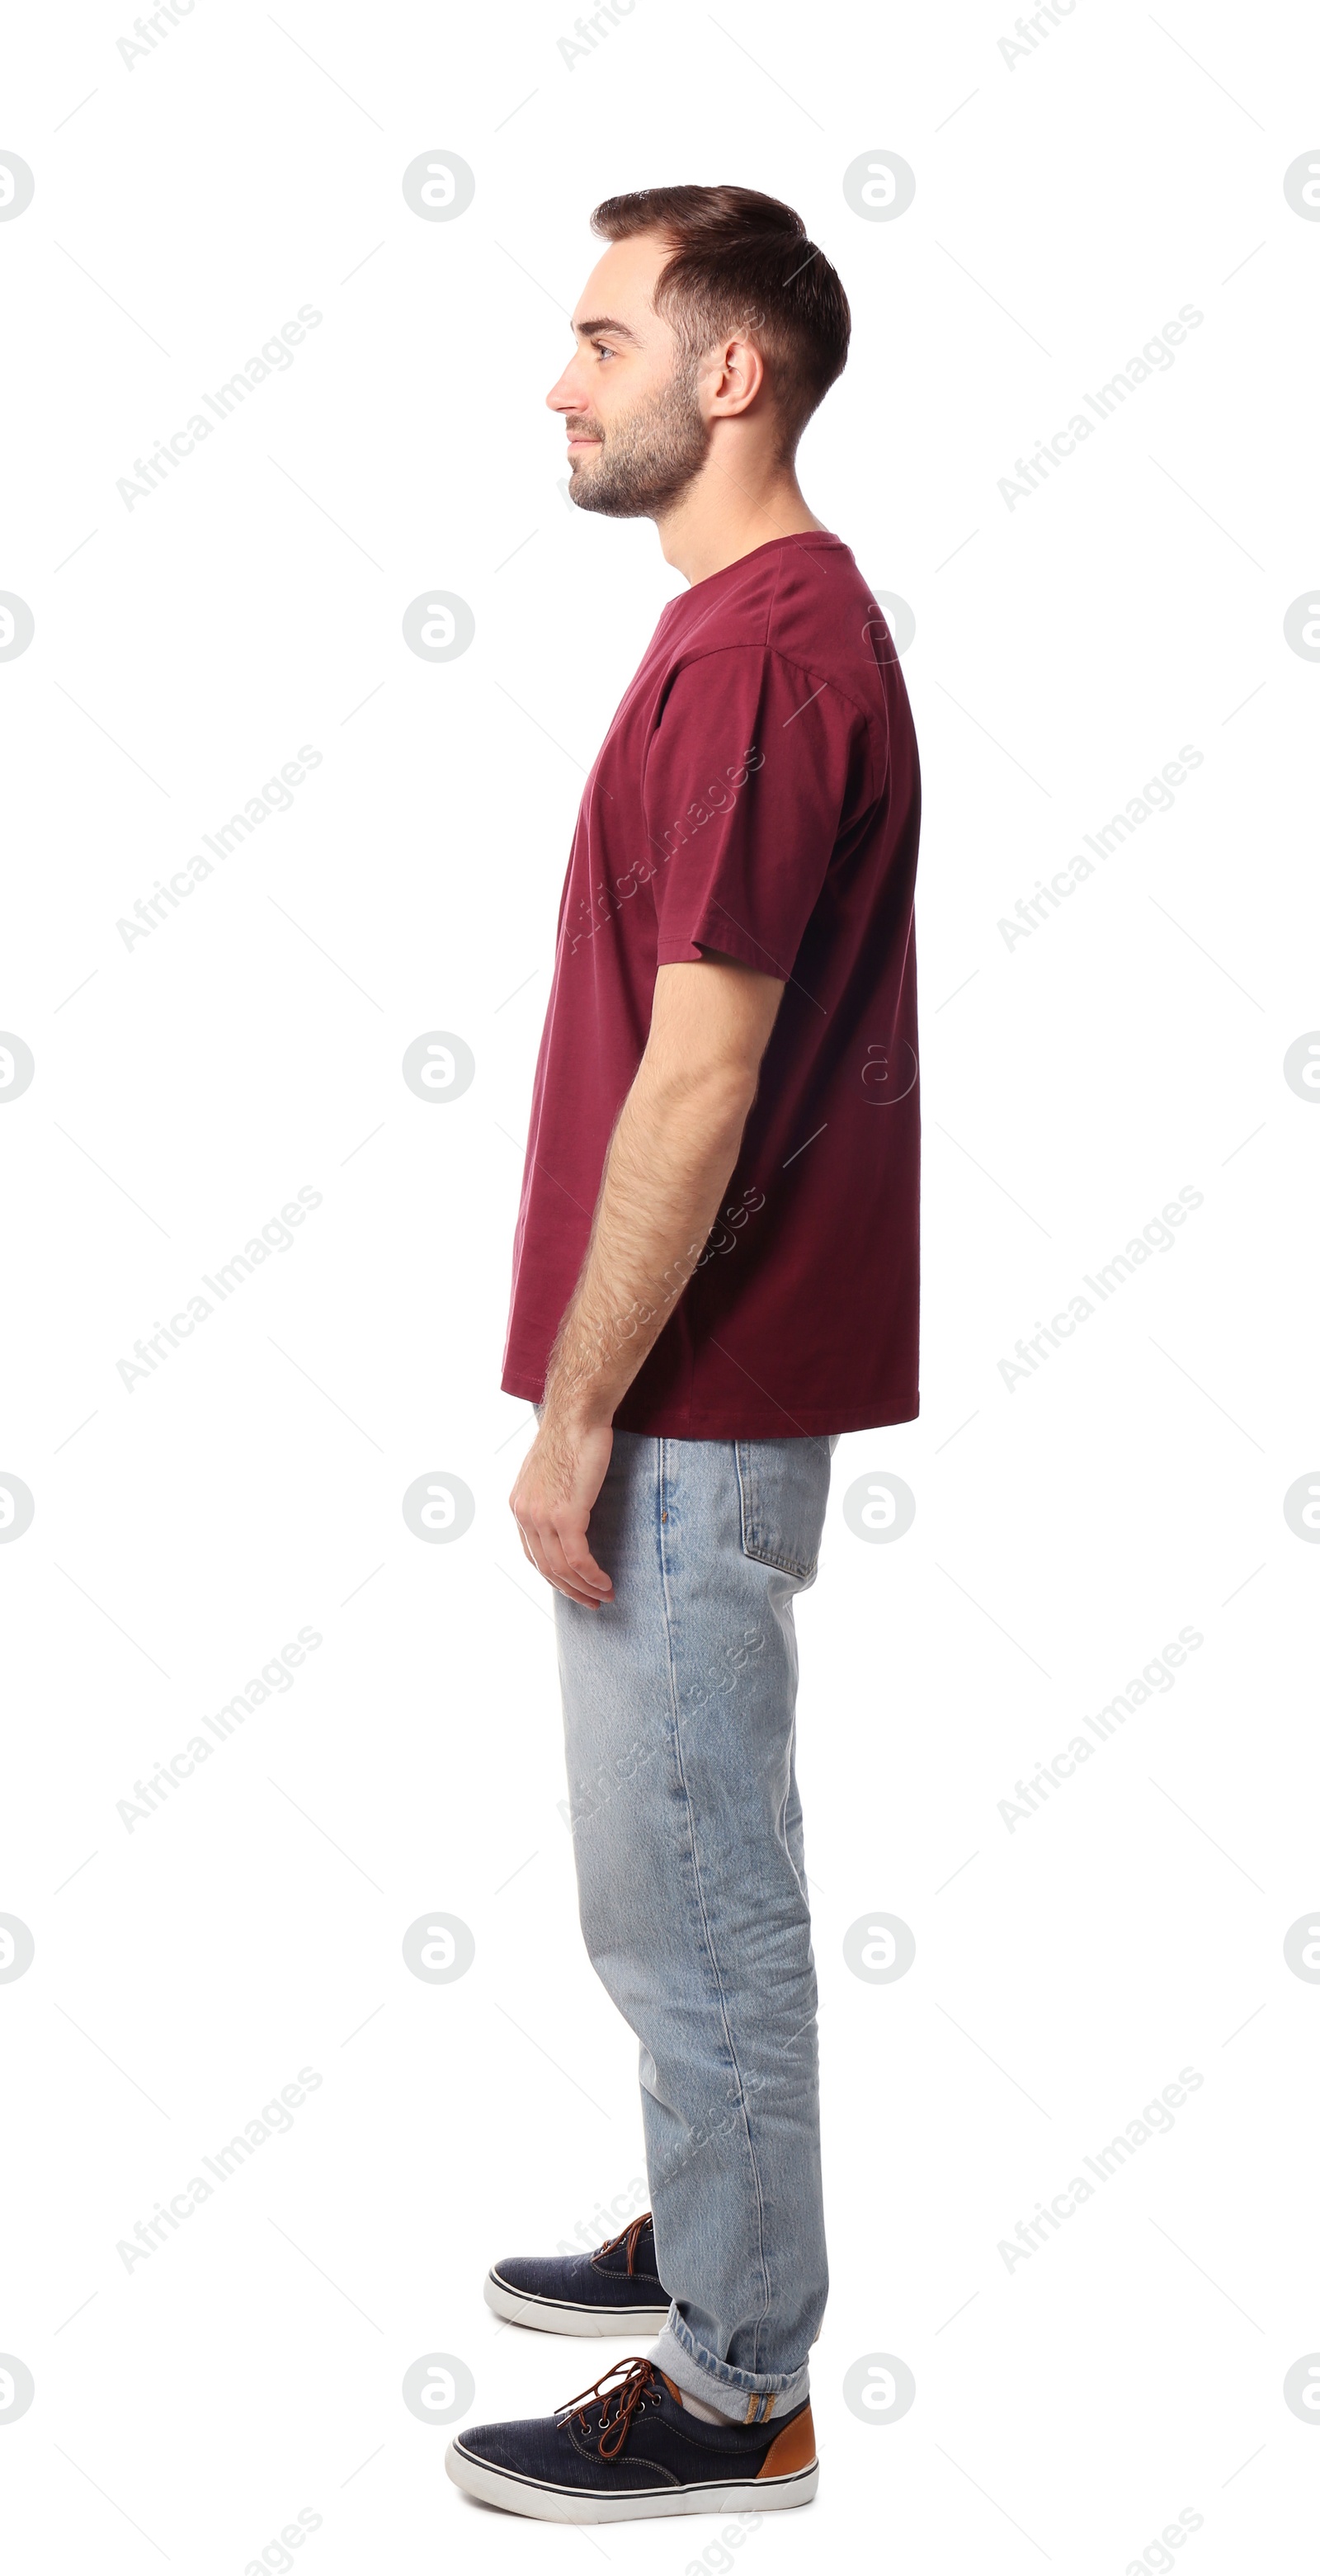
[793, 2449]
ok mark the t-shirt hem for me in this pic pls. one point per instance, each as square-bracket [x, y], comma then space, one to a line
[727, 940]
[745, 1422]
[513, 1383]
[785, 1422]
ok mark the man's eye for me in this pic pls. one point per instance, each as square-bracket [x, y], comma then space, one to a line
[602, 351]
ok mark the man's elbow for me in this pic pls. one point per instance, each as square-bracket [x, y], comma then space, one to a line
[716, 1087]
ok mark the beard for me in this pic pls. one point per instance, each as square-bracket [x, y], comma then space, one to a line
[647, 459]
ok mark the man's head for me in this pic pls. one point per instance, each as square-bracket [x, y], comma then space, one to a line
[710, 307]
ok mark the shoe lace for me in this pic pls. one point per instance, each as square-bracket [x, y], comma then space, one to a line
[627, 2236]
[638, 2385]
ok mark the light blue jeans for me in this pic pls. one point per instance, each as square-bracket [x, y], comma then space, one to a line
[687, 1831]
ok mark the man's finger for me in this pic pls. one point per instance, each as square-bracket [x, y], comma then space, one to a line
[553, 1570]
[581, 1563]
[564, 1576]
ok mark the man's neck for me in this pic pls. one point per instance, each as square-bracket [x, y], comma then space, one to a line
[725, 514]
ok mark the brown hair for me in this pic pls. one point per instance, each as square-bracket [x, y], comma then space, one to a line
[741, 260]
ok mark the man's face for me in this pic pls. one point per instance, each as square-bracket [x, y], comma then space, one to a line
[636, 432]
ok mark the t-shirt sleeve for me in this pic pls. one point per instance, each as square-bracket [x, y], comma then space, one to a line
[751, 773]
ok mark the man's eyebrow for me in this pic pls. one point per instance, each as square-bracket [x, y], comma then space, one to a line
[604, 322]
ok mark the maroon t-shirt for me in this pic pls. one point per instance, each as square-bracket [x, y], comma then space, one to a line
[757, 795]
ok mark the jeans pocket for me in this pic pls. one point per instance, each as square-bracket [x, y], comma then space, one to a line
[783, 1486]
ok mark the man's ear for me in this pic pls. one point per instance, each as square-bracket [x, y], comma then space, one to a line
[740, 378]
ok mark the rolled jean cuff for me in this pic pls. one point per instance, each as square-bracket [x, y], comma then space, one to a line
[744, 2396]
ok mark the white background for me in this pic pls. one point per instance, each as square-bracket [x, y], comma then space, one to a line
[185, 1088]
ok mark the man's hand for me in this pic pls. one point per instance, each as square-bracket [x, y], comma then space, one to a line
[551, 1502]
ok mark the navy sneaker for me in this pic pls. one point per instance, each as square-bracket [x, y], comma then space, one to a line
[615, 2453]
[616, 2290]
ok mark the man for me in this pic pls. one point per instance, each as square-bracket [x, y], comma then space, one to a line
[715, 1274]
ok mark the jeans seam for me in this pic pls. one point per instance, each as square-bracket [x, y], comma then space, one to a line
[701, 1899]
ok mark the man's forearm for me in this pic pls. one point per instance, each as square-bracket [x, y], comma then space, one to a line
[672, 1152]
[666, 1171]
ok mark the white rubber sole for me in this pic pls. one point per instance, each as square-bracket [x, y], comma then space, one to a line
[546, 2503]
[556, 2316]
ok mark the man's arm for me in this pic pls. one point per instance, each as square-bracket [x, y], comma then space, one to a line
[670, 1157]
